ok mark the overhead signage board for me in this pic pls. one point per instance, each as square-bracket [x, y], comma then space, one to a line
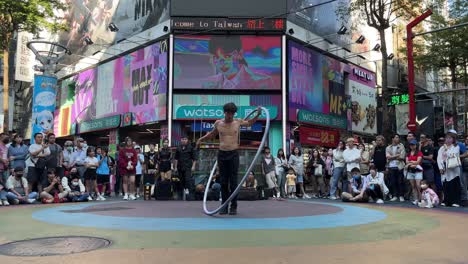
[216, 112]
[100, 124]
[321, 119]
[228, 24]
[208, 126]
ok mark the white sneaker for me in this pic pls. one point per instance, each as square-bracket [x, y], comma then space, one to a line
[5, 203]
[125, 197]
[394, 199]
[442, 204]
[402, 199]
[415, 202]
[90, 198]
[102, 198]
[98, 198]
[379, 201]
[455, 205]
[333, 198]
[306, 196]
[428, 206]
[137, 196]
[132, 197]
[31, 201]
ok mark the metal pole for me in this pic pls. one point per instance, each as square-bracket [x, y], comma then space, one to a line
[411, 87]
[441, 29]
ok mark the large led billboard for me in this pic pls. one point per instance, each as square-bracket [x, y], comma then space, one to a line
[227, 62]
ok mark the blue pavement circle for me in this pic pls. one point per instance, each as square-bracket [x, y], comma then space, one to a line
[349, 216]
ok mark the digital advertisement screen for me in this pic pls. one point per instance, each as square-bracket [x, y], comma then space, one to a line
[227, 62]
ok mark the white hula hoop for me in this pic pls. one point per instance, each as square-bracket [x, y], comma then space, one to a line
[236, 191]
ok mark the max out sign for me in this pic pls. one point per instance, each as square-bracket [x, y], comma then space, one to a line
[216, 112]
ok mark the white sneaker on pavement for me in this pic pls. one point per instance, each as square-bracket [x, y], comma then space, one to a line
[402, 199]
[132, 197]
[455, 205]
[103, 198]
[394, 199]
[125, 197]
[379, 201]
[5, 202]
[306, 196]
[90, 198]
[333, 198]
[31, 201]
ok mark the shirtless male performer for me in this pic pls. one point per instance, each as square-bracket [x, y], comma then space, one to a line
[228, 129]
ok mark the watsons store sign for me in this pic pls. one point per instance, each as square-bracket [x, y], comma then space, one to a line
[216, 112]
[321, 119]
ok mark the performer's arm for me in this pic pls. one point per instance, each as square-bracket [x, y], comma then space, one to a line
[250, 122]
[213, 133]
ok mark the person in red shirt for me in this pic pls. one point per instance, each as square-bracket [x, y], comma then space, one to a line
[414, 170]
[127, 165]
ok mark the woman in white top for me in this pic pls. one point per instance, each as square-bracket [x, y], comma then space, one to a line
[296, 161]
[447, 160]
[338, 168]
[281, 166]
[91, 163]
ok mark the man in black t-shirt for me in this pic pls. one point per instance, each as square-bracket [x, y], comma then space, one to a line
[378, 154]
[184, 162]
[427, 151]
[151, 165]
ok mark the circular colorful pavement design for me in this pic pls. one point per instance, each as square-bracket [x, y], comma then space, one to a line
[175, 224]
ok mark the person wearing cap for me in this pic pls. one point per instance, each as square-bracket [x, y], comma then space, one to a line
[139, 169]
[185, 160]
[428, 151]
[127, 163]
[447, 160]
[396, 155]
[352, 157]
[17, 187]
[414, 171]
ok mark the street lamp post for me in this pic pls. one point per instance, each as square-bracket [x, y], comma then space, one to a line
[412, 125]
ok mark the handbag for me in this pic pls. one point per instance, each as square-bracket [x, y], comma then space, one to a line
[453, 162]
[318, 171]
[41, 163]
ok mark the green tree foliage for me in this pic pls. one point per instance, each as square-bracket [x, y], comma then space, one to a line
[380, 14]
[28, 15]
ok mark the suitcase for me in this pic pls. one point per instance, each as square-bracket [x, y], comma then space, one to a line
[163, 190]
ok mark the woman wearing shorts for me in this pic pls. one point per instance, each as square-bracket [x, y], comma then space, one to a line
[165, 159]
[296, 161]
[91, 163]
[127, 164]
[103, 171]
[414, 170]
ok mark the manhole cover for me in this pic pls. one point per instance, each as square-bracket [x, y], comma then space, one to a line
[49, 246]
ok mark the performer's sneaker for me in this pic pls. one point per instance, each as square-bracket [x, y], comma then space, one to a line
[233, 211]
[224, 211]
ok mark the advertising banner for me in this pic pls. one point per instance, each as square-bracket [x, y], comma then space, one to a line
[43, 104]
[364, 100]
[24, 58]
[315, 82]
[320, 119]
[149, 83]
[227, 62]
[92, 18]
[319, 137]
[135, 83]
[424, 118]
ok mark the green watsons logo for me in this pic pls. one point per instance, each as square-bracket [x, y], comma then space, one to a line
[216, 112]
[321, 119]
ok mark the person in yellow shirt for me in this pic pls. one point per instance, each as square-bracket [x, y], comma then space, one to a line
[291, 183]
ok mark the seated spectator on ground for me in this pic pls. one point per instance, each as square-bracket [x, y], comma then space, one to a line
[213, 194]
[17, 186]
[54, 192]
[250, 182]
[429, 197]
[358, 188]
[3, 196]
[376, 188]
[75, 188]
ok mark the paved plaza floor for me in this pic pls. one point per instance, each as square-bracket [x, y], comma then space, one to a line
[292, 231]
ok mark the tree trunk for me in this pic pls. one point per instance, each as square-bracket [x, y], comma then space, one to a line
[5, 89]
[386, 110]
